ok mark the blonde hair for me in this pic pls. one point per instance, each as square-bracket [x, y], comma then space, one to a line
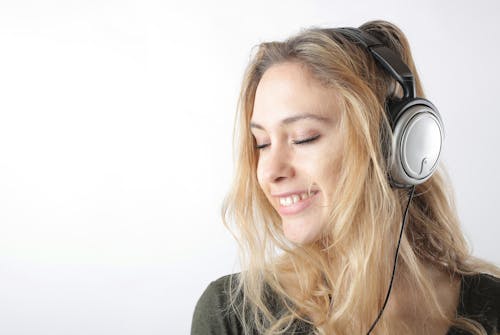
[351, 262]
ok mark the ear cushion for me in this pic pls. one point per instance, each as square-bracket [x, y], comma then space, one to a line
[418, 136]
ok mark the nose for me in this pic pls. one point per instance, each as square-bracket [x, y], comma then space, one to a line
[275, 165]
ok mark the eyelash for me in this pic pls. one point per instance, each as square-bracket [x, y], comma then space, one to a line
[306, 141]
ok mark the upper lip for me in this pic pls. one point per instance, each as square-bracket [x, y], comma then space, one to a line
[287, 194]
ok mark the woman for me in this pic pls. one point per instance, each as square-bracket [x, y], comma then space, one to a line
[318, 202]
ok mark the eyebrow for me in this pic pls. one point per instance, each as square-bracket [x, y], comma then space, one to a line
[295, 118]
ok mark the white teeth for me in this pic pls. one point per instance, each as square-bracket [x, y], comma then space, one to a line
[286, 201]
[290, 200]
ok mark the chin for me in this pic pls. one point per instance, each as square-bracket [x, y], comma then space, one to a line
[300, 232]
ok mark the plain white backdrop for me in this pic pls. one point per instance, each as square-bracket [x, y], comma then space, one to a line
[116, 124]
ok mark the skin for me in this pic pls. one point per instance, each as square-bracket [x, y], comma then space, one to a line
[404, 305]
[288, 91]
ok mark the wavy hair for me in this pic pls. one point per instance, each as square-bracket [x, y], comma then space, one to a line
[339, 281]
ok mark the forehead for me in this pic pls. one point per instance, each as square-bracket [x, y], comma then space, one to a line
[289, 89]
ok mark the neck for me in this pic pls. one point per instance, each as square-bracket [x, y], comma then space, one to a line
[407, 305]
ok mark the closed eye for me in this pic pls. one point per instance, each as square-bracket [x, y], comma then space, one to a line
[307, 140]
[262, 146]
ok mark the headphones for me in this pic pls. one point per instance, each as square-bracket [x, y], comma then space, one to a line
[417, 128]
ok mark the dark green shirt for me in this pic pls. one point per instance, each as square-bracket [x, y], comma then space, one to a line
[479, 300]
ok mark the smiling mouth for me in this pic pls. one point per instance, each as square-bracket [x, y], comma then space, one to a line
[295, 198]
[296, 203]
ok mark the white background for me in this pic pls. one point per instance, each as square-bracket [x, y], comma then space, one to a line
[115, 145]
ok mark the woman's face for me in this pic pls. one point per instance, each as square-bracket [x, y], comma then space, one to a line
[295, 123]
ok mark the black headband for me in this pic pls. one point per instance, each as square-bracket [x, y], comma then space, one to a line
[389, 60]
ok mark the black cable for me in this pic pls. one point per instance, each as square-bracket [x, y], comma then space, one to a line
[395, 261]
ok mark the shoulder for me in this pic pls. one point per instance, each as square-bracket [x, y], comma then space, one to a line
[482, 289]
[212, 314]
[480, 299]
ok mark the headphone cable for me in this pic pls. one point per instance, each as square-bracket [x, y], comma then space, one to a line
[412, 191]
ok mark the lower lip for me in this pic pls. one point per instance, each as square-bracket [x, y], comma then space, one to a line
[297, 207]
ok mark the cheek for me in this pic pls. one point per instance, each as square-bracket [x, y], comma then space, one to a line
[327, 170]
[258, 173]
[260, 176]
[332, 180]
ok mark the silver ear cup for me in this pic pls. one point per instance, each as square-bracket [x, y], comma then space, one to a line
[416, 146]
